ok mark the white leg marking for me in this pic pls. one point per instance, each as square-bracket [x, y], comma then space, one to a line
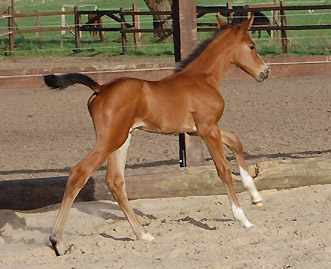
[249, 184]
[123, 150]
[147, 237]
[239, 214]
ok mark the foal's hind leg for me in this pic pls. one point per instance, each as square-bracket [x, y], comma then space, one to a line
[212, 136]
[116, 184]
[76, 181]
[234, 144]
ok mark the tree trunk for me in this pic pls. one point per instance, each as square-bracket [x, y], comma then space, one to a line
[4, 6]
[160, 21]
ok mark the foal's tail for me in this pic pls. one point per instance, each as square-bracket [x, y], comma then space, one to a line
[64, 81]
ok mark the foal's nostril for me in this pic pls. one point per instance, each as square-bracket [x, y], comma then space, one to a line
[262, 76]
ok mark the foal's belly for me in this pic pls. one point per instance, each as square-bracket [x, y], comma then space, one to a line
[173, 126]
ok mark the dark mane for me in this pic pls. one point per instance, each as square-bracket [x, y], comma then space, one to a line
[197, 51]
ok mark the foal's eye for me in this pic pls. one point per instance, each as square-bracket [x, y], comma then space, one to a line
[252, 47]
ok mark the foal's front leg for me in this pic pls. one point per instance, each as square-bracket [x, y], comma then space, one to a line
[116, 184]
[233, 143]
[212, 136]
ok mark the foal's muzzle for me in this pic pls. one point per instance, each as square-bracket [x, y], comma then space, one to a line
[264, 75]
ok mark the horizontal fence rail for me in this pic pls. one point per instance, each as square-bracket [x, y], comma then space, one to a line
[270, 27]
[41, 14]
[271, 7]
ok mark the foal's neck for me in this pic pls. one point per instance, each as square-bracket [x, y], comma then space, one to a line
[214, 59]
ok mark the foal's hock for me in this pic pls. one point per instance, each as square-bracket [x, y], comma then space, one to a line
[188, 101]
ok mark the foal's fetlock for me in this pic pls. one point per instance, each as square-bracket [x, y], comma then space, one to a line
[57, 247]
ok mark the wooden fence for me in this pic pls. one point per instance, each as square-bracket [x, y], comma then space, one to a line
[133, 28]
[281, 26]
[92, 24]
[124, 27]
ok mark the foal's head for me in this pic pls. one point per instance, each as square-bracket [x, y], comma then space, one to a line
[245, 55]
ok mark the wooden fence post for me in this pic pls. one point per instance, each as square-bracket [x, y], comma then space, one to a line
[123, 28]
[283, 32]
[36, 34]
[230, 15]
[63, 22]
[185, 40]
[77, 28]
[100, 24]
[11, 28]
[136, 26]
[274, 20]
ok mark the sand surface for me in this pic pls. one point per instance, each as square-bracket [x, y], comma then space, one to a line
[292, 230]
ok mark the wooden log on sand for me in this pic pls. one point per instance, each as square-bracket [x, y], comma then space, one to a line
[27, 194]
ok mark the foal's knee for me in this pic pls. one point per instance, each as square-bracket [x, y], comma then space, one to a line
[210, 133]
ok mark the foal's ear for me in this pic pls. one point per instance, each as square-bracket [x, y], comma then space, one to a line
[220, 23]
[246, 25]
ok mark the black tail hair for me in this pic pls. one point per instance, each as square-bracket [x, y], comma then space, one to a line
[64, 81]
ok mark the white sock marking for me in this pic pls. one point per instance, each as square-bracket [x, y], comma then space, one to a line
[239, 214]
[249, 184]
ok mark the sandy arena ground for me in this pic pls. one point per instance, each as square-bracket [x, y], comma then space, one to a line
[44, 133]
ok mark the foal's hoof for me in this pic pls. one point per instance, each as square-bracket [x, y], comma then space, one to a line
[58, 248]
[258, 203]
[147, 237]
[248, 224]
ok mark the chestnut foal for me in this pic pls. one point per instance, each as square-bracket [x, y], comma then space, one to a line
[188, 101]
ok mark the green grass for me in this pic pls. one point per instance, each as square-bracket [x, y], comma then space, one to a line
[307, 42]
